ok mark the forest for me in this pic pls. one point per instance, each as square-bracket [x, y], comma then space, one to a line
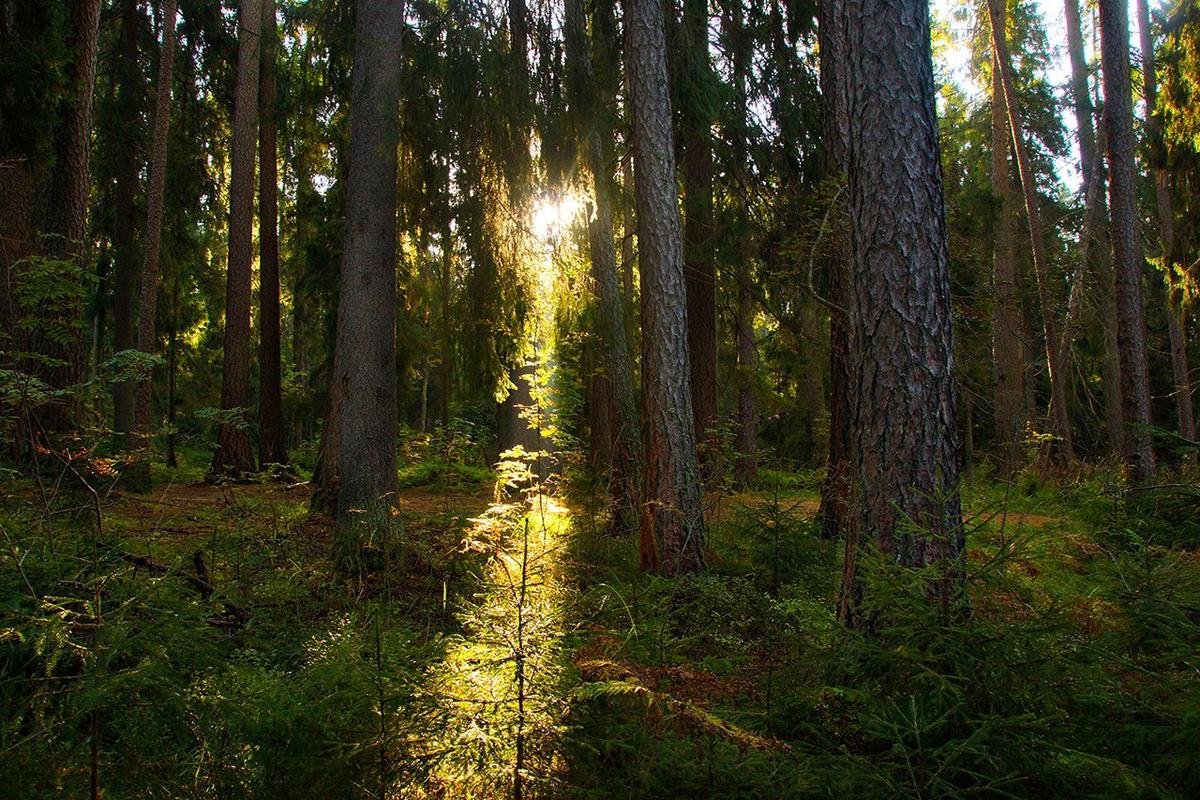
[511, 399]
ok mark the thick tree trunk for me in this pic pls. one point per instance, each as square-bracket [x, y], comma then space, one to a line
[1127, 257]
[271, 448]
[835, 133]
[233, 456]
[125, 283]
[67, 209]
[672, 518]
[1176, 321]
[147, 341]
[1060, 424]
[699, 262]
[902, 452]
[1006, 314]
[366, 332]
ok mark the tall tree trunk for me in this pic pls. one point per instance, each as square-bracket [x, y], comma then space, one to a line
[835, 134]
[593, 97]
[271, 448]
[67, 210]
[447, 364]
[1007, 355]
[1176, 320]
[147, 341]
[1127, 257]
[672, 518]
[745, 469]
[366, 331]
[1060, 424]
[699, 262]
[125, 284]
[233, 456]
[902, 451]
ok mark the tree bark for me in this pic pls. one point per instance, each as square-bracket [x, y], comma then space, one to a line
[902, 451]
[233, 456]
[835, 133]
[271, 447]
[1007, 346]
[366, 331]
[672, 519]
[1127, 257]
[1060, 424]
[1176, 320]
[147, 341]
[126, 283]
[699, 263]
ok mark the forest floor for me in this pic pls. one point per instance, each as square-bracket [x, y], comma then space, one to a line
[221, 641]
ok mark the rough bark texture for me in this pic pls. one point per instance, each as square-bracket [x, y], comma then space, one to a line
[366, 331]
[147, 341]
[593, 113]
[1176, 320]
[671, 514]
[902, 450]
[233, 456]
[1127, 257]
[1006, 314]
[66, 212]
[271, 448]
[1060, 424]
[125, 255]
[835, 133]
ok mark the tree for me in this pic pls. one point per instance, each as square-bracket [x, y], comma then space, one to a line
[1127, 259]
[1166, 230]
[271, 449]
[1007, 347]
[1060, 424]
[233, 455]
[672, 518]
[593, 97]
[147, 340]
[902, 460]
[366, 327]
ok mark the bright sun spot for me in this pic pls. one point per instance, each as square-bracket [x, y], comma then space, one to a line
[553, 214]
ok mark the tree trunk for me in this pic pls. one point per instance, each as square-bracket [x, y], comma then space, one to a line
[67, 209]
[1060, 424]
[835, 133]
[233, 456]
[699, 263]
[1176, 320]
[672, 519]
[1006, 314]
[125, 284]
[447, 364]
[147, 341]
[745, 468]
[1127, 258]
[271, 448]
[902, 452]
[366, 331]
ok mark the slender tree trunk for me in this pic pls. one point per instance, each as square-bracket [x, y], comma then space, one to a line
[1060, 424]
[672, 518]
[699, 262]
[233, 456]
[366, 332]
[147, 340]
[271, 448]
[745, 470]
[1127, 258]
[1176, 320]
[125, 284]
[1006, 314]
[447, 364]
[67, 211]
[902, 452]
[172, 357]
[835, 133]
